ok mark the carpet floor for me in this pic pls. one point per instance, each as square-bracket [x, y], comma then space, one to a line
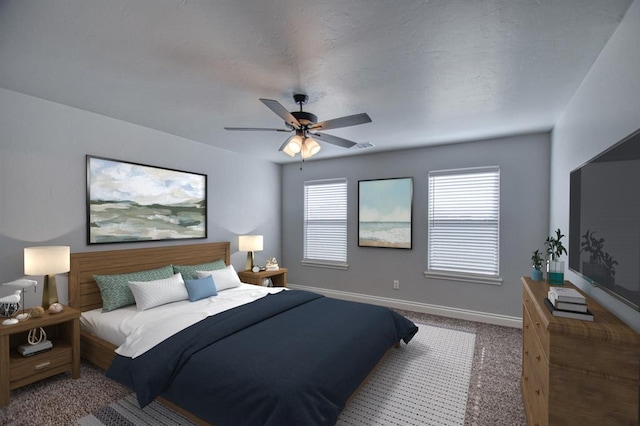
[423, 383]
[492, 388]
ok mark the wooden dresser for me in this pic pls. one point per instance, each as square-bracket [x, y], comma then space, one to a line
[577, 372]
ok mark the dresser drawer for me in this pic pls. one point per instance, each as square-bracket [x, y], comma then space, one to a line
[535, 400]
[532, 347]
[533, 354]
[41, 364]
[536, 324]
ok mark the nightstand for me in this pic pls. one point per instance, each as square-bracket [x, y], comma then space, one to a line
[278, 278]
[63, 329]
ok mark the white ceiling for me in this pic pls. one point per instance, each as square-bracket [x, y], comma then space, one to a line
[427, 72]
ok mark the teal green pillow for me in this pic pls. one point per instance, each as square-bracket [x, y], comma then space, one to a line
[115, 290]
[189, 271]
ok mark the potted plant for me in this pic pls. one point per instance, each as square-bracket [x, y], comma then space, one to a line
[555, 267]
[536, 263]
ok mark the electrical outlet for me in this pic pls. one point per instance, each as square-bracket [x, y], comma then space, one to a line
[396, 284]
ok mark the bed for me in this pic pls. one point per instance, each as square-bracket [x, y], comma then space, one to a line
[289, 357]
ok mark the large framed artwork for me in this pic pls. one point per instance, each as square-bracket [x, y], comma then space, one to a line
[128, 202]
[385, 208]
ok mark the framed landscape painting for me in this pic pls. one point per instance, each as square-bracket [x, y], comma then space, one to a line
[128, 202]
[384, 212]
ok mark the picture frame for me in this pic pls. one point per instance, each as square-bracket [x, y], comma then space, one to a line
[385, 213]
[132, 202]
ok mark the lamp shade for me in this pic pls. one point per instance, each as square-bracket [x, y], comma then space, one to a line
[310, 148]
[250, 243]
[47, 260]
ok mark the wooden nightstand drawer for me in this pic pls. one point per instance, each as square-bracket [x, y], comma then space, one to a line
[40, 364]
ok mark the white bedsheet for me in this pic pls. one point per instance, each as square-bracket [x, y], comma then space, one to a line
[135, 332]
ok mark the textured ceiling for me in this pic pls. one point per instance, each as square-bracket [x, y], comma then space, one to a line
[427, 72]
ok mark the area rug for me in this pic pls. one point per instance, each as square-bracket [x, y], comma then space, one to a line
[421, 384]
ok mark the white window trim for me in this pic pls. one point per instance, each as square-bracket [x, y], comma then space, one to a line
[469, 278]
[325, 264]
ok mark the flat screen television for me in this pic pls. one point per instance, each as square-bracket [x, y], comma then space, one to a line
[604, 220]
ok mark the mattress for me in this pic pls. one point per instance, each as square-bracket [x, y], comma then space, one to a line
[135, 332]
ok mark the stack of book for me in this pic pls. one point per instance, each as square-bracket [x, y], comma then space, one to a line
[567, 303]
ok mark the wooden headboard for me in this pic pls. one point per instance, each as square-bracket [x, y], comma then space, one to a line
[84, 293]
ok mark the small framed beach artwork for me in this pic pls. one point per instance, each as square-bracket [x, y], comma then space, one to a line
[385, 209]
[130, 202]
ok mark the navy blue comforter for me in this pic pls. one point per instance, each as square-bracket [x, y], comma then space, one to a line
[290, 358]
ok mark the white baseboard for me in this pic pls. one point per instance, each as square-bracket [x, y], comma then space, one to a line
[424, 308]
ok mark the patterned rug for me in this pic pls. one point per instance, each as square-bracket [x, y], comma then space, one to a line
[421, 384]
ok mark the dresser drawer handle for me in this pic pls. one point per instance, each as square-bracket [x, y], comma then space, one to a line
[526, 352]
[43, 365]
[538, 357]
[526, 326]
[537, 324]
[526, 378]
[537, 391]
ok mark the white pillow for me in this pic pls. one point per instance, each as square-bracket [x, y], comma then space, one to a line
[149, 294]
[222, 278]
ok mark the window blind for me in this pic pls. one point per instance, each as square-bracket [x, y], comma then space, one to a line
[464, 221]
[325, 221]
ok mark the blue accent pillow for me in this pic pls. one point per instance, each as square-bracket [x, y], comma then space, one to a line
[200, 288]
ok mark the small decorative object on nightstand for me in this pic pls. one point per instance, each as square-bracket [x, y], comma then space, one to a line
[272, 264]
[278, 277]
[23, 284]
[9, 305]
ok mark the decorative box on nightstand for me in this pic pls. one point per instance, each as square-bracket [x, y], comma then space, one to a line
[63, 329]
[278, 277]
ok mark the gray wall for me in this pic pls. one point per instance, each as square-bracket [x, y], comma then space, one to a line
[605, 109]
[524, 171]
[42, 181]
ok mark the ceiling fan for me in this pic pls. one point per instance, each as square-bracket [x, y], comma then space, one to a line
[305, 125]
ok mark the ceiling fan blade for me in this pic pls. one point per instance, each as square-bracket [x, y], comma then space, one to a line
[282, 112]
[258, 129]
[345, 143]
[349, 120]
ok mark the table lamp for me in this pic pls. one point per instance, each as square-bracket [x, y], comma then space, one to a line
[47, 261]
[250, 243]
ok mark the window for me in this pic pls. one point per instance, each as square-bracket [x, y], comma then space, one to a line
[464, 224]
[325, 222]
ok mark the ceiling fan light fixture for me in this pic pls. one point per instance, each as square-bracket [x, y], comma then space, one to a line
[285, 148]
[310, 148]
[292, 145]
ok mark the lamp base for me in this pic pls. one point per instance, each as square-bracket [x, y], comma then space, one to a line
[250, 261]
[49, 291]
